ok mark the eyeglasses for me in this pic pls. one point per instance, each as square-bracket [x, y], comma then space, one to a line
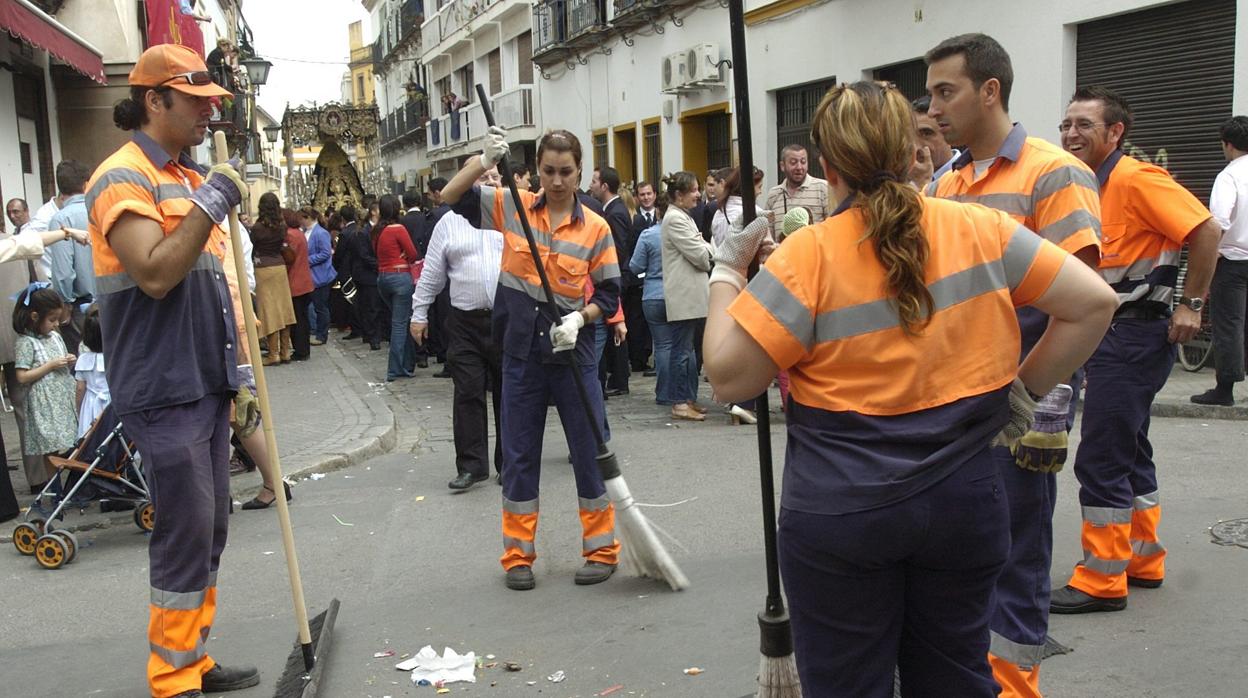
[1082, 126]
[197, 77]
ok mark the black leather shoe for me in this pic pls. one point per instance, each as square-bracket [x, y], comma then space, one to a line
[1069, 600]
[255, 502]
[520, 578]
[442, 374]
[1143, 583]
[423, 363]
[375, 346]
[616, 392]
[594, 573]
[464, 481]
[1213, 396]
[220, 679]
[193, 693]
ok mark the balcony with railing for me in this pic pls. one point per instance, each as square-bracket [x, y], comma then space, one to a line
[586, 18]
[459, 20]
[362, 55]
[405, 126]
[550, 31]
[561, 27]
[399, 28]
[513, 109]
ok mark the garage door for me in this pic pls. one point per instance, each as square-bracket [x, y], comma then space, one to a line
[1175, 65]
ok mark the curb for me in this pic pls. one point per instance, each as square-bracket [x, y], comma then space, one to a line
[1193, 411]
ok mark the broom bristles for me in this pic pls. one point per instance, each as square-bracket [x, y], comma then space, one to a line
[642, 549]
[777, 678]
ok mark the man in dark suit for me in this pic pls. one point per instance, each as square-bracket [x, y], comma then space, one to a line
[605, 187]
[419, 231]
[437, 341]
[639, 341]
[344, 261]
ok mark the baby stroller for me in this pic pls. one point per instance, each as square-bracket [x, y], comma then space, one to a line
[114, 476]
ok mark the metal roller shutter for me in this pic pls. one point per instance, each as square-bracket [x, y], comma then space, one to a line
[1175, 65]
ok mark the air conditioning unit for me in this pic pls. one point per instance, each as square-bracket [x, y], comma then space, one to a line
[675, 73]
[702, 64]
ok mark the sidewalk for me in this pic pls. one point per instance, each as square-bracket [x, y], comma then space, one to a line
[327, 417]
[1174, 399]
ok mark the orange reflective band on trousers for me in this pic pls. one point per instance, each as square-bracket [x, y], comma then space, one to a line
[1148, 555]
[1106, 553]
[176, 632]
[519, 531]
[598, 543]
[1014, 681]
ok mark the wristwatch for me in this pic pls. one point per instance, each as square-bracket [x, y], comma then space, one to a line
[1194, 304]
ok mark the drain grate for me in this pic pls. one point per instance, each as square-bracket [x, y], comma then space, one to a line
[1233, 532]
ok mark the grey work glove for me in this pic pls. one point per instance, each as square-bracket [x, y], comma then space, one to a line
[495, 147]
[739, 249]
[1043, 448]
[221, 191]
[1022, 415]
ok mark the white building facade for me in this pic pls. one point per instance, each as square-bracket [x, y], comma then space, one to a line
[1183, 65]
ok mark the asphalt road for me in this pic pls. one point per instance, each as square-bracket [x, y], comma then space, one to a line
[415, 565]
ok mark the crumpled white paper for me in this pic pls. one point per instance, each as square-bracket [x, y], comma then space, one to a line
[448, 668]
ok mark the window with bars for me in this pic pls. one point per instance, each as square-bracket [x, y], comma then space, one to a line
[795, 109]
[718, 142]
[909, 77]
[651, 148]
[600, 149]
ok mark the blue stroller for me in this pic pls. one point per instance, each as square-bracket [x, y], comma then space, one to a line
[113, 477]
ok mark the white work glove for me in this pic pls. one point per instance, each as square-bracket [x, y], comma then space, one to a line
[495, 148]
[1022, 415]
[563, 333]
[739, 249]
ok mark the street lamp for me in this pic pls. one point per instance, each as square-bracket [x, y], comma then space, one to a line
[272, 132]
[257, 69]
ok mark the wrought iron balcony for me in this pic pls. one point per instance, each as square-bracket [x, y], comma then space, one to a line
[585, 18]
[550, 32]
[405, 126]
[398, 28]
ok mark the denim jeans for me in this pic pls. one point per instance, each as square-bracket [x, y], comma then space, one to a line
[318, 312]
[395, 289]
[661, 333]
[684, 361]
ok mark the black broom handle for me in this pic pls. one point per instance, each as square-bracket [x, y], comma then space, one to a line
[504, 169]
[745, 150]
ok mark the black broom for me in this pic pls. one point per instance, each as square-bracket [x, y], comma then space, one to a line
[304, 671]
[637, 537]
[777, 673]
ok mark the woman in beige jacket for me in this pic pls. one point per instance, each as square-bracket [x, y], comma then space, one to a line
[686, 263]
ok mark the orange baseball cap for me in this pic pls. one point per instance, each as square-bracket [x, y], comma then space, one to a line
[177, 67]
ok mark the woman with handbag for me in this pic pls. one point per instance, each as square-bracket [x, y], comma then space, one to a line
[274, 307]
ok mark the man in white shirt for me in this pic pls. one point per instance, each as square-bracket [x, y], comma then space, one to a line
[468, 259]
[1228, 294]
[39, 223]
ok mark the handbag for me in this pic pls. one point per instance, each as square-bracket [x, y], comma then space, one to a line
[288, 254]
[348, 289]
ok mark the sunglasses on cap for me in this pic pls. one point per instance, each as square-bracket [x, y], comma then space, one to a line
[196, 77]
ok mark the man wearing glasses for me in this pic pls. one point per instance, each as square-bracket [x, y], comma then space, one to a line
[1146, 217]
[168, 325]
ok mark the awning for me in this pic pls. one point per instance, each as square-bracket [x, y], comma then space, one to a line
[32, 25]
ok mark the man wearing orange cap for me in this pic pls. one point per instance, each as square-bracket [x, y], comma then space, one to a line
[168, 325]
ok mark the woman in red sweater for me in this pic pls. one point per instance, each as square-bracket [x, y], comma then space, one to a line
[395, 256]
[299, 276]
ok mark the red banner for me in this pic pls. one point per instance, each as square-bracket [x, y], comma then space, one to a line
[167, 24]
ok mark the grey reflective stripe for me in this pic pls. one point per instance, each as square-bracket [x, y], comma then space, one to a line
[1104, 516]
[212, 579]
[178, 600]
[113, 283]
[515, 283]
[524, 546]
[1016, 204]
[1140, 548]
[931, 188]
[595, 542]
[487, 210]
[1109, 567]
[1160, 294]
[571, 249]
[164, 192]
[595, 504]
[1141, 267]
[881, 314]
[1146, 501]
[529, 507]
[783, 305]
[1050, 183]
[1057, 231]
[118, 175]
[1023, 656]
[177, 659]
[604, 272]
[1019, 254]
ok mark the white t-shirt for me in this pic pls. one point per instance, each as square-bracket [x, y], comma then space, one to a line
[1229, 205]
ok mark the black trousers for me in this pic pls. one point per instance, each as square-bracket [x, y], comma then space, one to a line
[1227, 295]
[439, 340]
[8, 501]
[474, 360]
[639, 342]
[302, 330]
[366, 318]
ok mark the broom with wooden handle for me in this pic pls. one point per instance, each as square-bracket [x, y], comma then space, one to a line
[641, 546]
[777, 673]
[305, 667]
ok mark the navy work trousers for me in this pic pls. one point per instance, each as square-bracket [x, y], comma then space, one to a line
[907, 585]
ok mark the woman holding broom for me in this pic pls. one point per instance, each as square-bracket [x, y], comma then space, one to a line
[895, 320]
[576, 247]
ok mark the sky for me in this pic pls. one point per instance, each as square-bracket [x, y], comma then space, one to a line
[303, 30]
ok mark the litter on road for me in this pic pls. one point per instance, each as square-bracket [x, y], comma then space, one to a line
[694, 671]
[557, 677]
[384, 653]
[428, 668]
[610, 689]
[340, 521]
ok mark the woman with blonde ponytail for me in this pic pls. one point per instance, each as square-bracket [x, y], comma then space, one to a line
[894, 318]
